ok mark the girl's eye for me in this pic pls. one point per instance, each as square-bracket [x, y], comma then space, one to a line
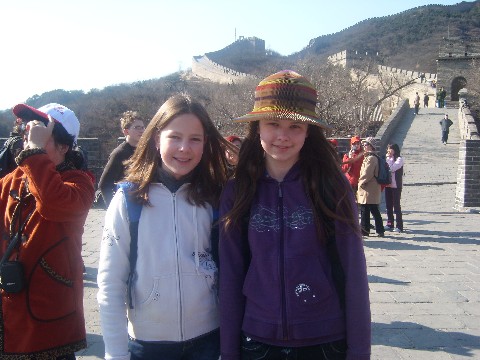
[272, 123]
[197, 139]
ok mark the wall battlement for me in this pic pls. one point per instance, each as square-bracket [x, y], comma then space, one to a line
[467, 193]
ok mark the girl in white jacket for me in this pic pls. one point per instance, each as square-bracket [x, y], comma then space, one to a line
[176, 174]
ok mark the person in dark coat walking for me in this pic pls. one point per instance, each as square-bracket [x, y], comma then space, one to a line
[425, 100]
[445, 123]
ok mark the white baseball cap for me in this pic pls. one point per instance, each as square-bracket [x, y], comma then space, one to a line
[58, 112]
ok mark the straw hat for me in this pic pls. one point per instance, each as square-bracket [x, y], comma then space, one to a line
[285, 95]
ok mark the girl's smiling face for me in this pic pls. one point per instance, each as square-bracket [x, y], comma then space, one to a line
[181, 145]
[282, 141]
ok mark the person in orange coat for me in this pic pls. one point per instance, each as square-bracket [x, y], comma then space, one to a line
[352, 162]
[44, 202]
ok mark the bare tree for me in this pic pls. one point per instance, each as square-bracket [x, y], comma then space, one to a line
[352, 99]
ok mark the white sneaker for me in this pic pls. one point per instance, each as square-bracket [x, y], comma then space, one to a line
[397, 230]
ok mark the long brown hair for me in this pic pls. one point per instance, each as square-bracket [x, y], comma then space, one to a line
[322, 177]
[208, 176]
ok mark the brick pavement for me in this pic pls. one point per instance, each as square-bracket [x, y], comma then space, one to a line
[424, 283]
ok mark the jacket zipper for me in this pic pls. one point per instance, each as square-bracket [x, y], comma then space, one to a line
[282, 262]
[178, 266]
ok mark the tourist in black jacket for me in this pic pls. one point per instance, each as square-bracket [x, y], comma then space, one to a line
[132, 127]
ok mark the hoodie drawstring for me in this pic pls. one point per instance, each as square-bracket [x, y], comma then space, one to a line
[197, 245]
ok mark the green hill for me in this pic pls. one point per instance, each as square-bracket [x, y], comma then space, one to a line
[409, 40]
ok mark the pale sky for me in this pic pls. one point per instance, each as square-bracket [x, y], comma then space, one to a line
[85, 44]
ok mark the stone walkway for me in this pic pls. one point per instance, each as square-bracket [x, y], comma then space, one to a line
[425, 282]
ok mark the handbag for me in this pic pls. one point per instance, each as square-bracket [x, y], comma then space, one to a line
[12, 279]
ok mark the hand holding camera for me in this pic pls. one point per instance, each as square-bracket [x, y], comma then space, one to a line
[38, 133]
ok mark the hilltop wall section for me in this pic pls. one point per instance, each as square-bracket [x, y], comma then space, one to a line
[205, 68]
[346, 58]
[407, 73]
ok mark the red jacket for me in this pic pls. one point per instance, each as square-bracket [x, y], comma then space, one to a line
[352, 170]
[45, 319]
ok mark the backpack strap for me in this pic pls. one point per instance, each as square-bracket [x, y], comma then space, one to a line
[134, 210]
[215, 237]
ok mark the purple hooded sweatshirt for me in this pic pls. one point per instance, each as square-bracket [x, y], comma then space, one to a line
[278, 288]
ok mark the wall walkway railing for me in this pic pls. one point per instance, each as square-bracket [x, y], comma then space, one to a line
[467, 193]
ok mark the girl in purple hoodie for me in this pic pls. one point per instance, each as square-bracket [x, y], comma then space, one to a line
[293, 280]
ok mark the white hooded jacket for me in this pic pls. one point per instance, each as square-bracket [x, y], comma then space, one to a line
[174, 295]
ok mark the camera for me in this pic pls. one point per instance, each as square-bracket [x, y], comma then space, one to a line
[11, 276]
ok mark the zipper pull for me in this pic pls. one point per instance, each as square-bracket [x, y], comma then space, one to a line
[280, 194]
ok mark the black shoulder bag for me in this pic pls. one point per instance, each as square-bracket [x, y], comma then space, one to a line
[12, 278]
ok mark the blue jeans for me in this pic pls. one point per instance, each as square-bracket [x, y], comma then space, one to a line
[255, 350]
[206, 347]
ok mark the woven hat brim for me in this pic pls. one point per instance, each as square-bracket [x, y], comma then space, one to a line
[265, 115]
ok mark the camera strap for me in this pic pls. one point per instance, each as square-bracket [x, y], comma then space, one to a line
[15, 237]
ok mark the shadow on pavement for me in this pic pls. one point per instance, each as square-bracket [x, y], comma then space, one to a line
[447, 237]
[400, 133]
[440, 213]
[431, 183]
[95, 347]
[379, 279]
[409, 335]
[397, 245]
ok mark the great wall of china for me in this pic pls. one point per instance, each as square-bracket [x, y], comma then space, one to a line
[343, 58]
[205, 68]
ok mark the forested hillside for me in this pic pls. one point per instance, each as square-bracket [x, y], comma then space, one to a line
[409, 40]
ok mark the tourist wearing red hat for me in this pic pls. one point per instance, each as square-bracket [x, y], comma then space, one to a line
[352, 162]
[45, 202]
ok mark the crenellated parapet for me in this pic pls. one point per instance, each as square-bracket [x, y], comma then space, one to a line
[467, 192]
[347, 58]
[407, 73]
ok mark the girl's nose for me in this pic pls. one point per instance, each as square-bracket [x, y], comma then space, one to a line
[282, 134]
[184, 146]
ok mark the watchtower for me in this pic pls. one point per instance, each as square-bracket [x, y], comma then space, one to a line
[455, 65]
